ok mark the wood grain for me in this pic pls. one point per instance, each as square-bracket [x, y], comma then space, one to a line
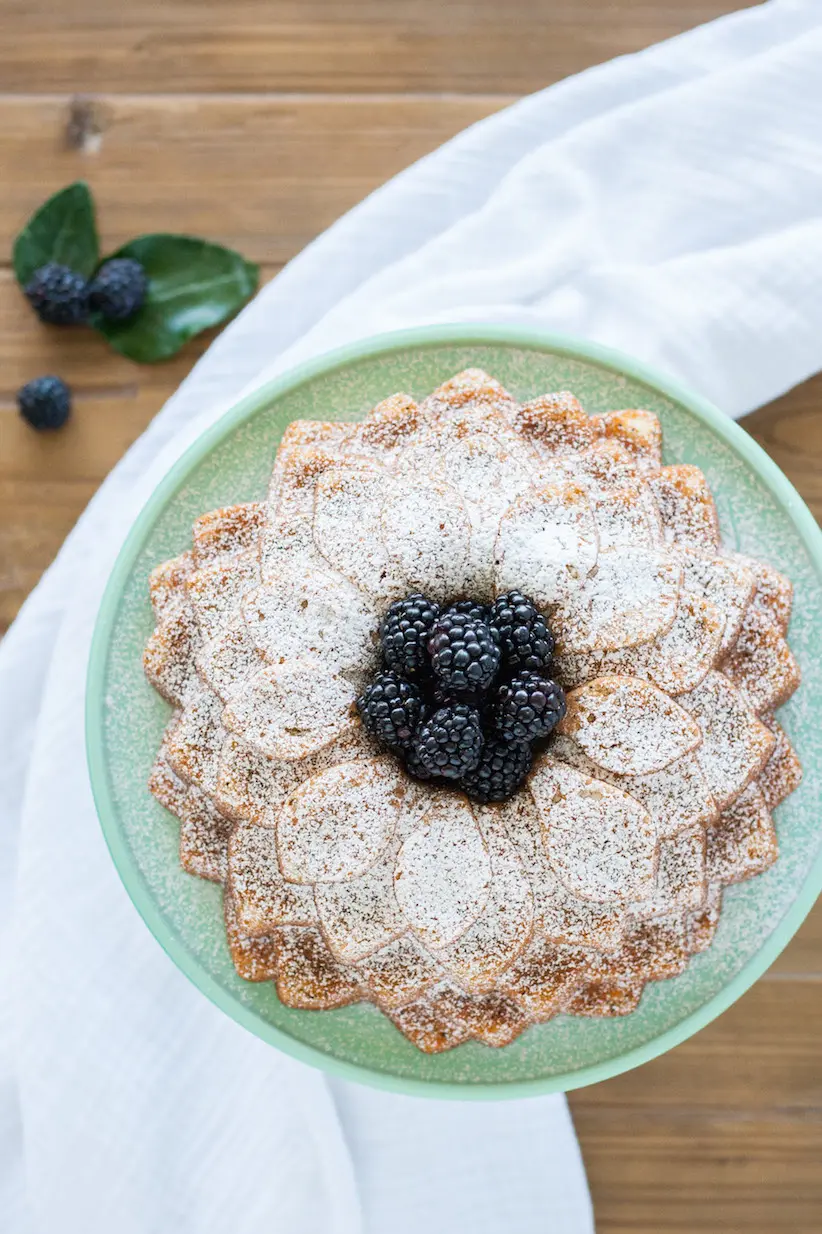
[257, 123]
[261, 174]
[392, 46]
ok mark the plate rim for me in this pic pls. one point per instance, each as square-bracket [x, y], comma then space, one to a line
[255, 402]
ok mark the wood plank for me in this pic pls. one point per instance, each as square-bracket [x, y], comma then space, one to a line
[762, 1053]
[263, 175]
[723, 1133]
[802, 958]
[790, 430]
[676, 1174]
[325, 45]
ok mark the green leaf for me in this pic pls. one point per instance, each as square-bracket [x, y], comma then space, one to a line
[62, 230]
[192, 285]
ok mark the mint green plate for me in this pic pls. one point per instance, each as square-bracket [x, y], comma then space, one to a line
[761, 514]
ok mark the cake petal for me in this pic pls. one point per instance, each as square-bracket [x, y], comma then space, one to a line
[251, 786]
[163, 783]
[604, 999]
[606, 467]
[686, 506]
[443, 872]
[204, 836]
[653, 950]
[228, 660]
[556, 424]
[262, 899]
[600, 842]
[703, 922]
[726, 582]
[676, 798]
[226, 532]
[428, 531]
[167, 583]
[313, 615]
[335, 825]
[488, 477]
[433, 1022]
[681, 878]
[255, 959]
[546, 544]
[168, 658]
[387, 429]
[626, 518]
[783, 771]
[398, 973]
[735, 744]
[308, 448]
[348, 504]
[630, 598]
[774, 592]
[558, 914]
[193, 746]
[761, 662]
[546, 975]
[308, 976]
[485, 472]
[503, 928]
[675, 662]
[743, 842]
[360, 916]
[628, 726]
[215, 590]
[292, 710]
[473, 387]
[637, 431]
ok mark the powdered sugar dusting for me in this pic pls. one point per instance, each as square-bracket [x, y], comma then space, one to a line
[628, 726]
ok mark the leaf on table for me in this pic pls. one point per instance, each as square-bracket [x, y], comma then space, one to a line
[62, 230]
[192, 285]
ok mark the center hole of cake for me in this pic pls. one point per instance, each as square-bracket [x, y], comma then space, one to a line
[466, 692]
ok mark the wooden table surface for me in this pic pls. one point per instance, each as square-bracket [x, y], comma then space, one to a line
[256, 123]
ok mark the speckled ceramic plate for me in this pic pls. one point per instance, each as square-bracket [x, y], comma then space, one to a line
[761, 514]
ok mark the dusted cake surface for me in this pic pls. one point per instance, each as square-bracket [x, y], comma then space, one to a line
[345, 879]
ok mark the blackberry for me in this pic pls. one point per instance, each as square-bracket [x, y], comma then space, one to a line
[445, 696]
[415, 768]
[502, 767]
[58, 295]
[404, 634]
[449, 743]
[391, 709]
[471, 608]
[463, 654]
[524, 639]
[118, 289]
[528, 706]
[45, 402]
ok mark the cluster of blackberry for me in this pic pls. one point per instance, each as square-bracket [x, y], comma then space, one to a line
[465, 692]
[62, 297]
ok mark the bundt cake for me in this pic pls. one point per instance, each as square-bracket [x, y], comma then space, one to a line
[473, 714]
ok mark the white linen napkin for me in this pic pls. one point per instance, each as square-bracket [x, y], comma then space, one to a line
[667, 203]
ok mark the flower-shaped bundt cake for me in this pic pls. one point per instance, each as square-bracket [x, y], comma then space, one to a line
[345, 877]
